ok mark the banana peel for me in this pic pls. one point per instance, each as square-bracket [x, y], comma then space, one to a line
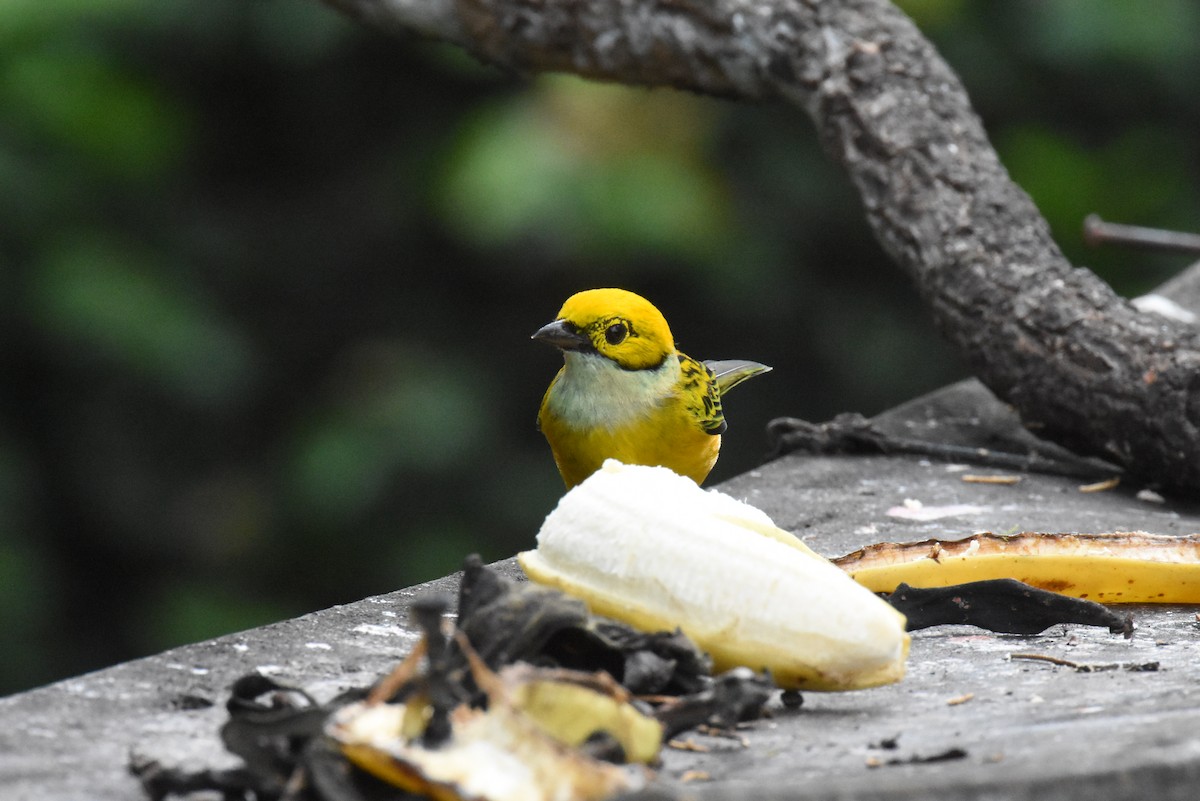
[649, 547]
[573, 711]
[1114, 568]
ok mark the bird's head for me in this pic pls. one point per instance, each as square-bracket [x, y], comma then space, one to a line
[614, 323]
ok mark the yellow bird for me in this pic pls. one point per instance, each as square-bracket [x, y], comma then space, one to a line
[626, 393]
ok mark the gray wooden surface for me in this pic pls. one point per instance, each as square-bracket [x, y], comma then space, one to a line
[1015, 729]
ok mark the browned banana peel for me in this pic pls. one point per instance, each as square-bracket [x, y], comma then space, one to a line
[1117, 568]
[649, 547]
[523, 747]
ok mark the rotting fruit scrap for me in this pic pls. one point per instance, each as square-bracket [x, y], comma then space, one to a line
[525, 744]
[467, 716]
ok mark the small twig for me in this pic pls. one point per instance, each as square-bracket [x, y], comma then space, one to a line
[401, 675]
[1101, 486]
[1083, 667]
[1097, 232]
[1054, 660]
[715, 731]
[916, 759]
[972, 478]
[688, 745]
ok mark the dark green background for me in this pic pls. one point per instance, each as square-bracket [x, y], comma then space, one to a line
[267, 281]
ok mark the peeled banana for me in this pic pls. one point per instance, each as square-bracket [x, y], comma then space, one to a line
[1122, 567]
[649, 547]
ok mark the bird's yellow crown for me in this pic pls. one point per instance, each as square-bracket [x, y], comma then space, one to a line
[620, 325]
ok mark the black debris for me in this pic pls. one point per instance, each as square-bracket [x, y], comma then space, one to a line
[278, 730]
[1002, 605]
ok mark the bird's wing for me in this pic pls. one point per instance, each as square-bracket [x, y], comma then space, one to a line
[728, 373]
[701, 394]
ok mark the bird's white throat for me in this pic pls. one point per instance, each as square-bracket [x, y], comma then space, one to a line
[595, 391]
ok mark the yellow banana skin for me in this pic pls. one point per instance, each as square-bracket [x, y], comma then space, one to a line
[647, 546]
[1116, 568]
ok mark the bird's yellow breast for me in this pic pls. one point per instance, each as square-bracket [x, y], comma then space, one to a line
[665, 438]
[594, 410]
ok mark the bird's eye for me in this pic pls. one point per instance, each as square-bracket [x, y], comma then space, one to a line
[616, 333]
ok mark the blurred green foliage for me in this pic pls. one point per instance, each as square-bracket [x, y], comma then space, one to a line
[267, 280]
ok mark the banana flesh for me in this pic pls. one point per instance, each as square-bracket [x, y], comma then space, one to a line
[649, 547]
[1122, 567]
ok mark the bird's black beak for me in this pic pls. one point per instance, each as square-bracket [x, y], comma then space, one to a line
[562, 335]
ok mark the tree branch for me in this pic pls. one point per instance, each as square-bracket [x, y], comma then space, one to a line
[1081, 365]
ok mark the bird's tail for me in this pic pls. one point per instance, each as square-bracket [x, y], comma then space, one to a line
[731, 372]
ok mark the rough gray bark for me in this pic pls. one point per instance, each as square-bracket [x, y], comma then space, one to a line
[1080, 365]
